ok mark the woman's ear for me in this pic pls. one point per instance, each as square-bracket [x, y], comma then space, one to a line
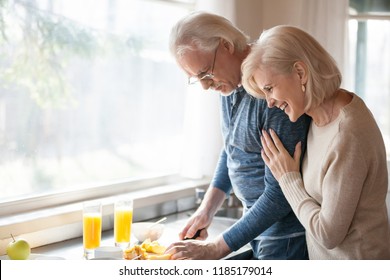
[301, 70]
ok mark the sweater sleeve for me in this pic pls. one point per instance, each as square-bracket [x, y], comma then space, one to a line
[344, 172]
[221, 178]
[272, 205]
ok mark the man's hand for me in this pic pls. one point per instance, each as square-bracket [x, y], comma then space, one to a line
[203, 216]
[198, 250]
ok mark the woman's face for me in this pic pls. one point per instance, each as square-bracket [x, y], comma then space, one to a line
[283, 91]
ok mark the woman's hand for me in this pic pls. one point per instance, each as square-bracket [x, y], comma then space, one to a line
[277, 157]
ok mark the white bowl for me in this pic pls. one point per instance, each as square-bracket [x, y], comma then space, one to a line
[145, 230]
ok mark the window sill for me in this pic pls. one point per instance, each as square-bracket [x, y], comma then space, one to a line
[45, 226]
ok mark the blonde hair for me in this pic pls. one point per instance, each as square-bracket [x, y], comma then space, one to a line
[203, 31]
[279, 48]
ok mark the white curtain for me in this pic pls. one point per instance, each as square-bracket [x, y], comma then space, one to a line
[326, 20]
[202, 132]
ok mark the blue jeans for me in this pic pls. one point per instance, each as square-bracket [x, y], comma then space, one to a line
[294, 248]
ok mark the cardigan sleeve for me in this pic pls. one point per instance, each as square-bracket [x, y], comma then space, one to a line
[344, 171]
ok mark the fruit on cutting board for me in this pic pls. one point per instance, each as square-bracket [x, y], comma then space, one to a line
[153, 247]
[148, 250]
[18, 249]
[158, 257]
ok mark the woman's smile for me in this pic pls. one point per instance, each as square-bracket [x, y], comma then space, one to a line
[283, 106]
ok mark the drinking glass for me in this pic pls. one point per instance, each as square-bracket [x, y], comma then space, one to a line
[123, 217]
[92, 227]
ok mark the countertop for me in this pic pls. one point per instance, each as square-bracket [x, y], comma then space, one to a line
[73, 249]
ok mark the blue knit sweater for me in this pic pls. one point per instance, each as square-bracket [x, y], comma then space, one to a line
[241, 168]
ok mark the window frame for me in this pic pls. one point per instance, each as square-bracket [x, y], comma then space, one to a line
[28, 214]
[17, 206]
[364, 17]
[35, 201]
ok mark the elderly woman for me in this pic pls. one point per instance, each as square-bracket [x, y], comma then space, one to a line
[340, 196]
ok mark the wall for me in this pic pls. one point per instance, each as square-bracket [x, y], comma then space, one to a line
[326, 20]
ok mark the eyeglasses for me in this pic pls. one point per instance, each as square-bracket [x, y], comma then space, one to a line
[207, 76]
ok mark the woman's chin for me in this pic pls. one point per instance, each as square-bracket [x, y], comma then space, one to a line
[291, 116]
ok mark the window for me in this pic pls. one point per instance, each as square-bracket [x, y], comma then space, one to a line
[89, 93]
[369, 36]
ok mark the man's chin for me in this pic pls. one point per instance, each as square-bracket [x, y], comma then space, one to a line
[226, 93]
[224, 90]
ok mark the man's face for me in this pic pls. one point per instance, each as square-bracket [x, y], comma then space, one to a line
[218, 70]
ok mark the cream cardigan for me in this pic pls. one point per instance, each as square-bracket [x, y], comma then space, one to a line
[341, 200]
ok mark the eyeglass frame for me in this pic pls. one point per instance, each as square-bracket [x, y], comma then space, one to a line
[207, 76]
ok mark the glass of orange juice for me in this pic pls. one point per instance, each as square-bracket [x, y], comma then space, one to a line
[123, 218]
[92, 227]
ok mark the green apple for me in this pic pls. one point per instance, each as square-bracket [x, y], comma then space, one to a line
[18, 249]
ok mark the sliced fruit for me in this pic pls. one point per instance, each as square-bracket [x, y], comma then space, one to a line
[158, 257]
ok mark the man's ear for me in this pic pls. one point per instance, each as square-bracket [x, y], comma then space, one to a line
[227, 46]
[301, 69]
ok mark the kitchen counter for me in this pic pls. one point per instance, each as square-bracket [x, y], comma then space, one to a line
[73, 249]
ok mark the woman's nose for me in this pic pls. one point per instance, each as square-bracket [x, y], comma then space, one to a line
[270, 101]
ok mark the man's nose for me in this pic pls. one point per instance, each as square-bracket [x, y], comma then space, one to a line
[206, 83]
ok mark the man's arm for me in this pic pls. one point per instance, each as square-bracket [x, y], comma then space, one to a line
[272, 205]
[213, 199]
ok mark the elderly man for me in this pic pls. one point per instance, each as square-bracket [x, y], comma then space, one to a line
[210, 50]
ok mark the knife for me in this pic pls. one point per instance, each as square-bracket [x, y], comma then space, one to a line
[196, 235]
